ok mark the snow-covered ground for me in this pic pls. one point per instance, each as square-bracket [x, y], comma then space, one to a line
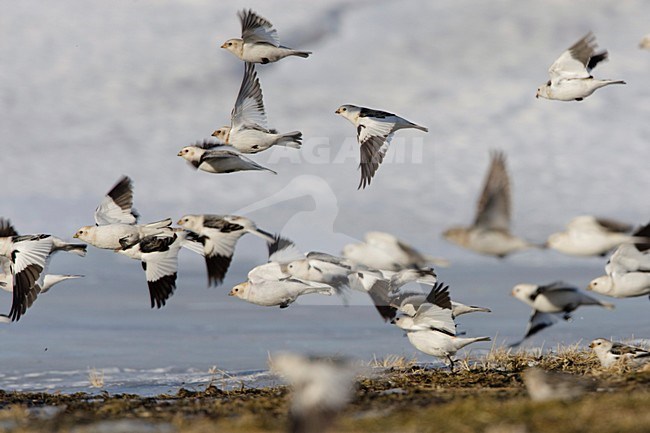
[92, 91]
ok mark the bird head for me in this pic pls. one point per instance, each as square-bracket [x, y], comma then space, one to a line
[544, 91]
[191, 222]
[523, 292]
[84, 233]
[348, 111]
[222, 133]
[190, 153]
[235, 46]
[600, 285]
[240, 290]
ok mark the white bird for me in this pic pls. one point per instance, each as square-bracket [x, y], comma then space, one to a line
[248, 131]
[490, 232]
[270, 285]
[627, 270]
[570, 75]
[219, 235]
[386, 252]
[259, 42]
[323, 268]
[213, 156]
[321, 388]
[610, 353]
[549, 301]
[375, 130]
[116, 219]
[159, 257]
[644, 44]
[587, 235]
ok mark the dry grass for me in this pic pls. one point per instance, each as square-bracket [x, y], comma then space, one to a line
[96, 378]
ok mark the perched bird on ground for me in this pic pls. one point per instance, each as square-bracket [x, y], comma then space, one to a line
[248, 131]
[213, 156]
[627, 270]
[219, 235]
[270, 285]
[259, 41]
[116, 219]
[587, 235]
[375, 130]
[550, 301]
[610, 353]
[159, 257]
[322, 387]
[570, 75]
[386, 252]
[490, 232]
[552, 385]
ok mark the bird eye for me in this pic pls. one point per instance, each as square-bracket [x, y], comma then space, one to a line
[236, 290]
[343, 109]
[229, 44]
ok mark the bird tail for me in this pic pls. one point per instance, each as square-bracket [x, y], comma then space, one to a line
[255, 166]
[159, 224]
[291, 139]
[615, 82]
[416, 126]
[303, 54]
[50, 280]
[607, 305]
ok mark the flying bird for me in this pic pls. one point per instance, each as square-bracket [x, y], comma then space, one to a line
[375, 130]
[587, 235]
[610, 353]
[213, 156]
[549, 302]
[219, 235]
[627, 270]
[116, 220]
[570, 75]
[270, 285]
[259, 42]
[248, 131]
[386, 252]
[490, 232]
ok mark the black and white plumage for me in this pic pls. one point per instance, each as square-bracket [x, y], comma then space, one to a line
[490, 234]
[551, 301]
[375, 129]
[219, 235]
[159, 257]
[116, 219]
[214, 156]
[610, 353]
[570, 75]
[259, 42]
[248, 131]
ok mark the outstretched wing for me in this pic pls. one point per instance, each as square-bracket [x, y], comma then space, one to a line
[28, 262]
[494, 208]
[255, 29]
[573, 62]
[117, 205]
[249, 106]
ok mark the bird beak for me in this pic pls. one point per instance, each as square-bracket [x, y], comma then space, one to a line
[215, 134]
[392, 321]
[231, 293]
[179, 222]
[536, 96]
[179, 153]
[591, 345]
[76, 235]
[338, 111]
[223, 45]
[512, 293]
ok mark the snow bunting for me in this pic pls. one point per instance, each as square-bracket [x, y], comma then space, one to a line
[270, 285]
[386, 252]
[570, 75]
[587, 235]
[552, 385]
[116, 219]
[322, 268]
[490, 232]
[159, 257]
[375, 129]
[628, 273]
[550, 301]
[321, 388]
[219, 235]
[259, 41]
[248, 131]
[610, 353]
[213, 156]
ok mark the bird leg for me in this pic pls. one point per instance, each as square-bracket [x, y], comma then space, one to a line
[451, 364]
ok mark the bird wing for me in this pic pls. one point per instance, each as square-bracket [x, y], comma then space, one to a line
[160, 263]
[7, 229]
[29, 257]
[249, 107]
[557, 286]
[117, 205]
[494, 208]
[536, 323]
[623, 349]
[613, 226]
[219, 248]
[436, 318]
[255, 29]
[573, 62]
[373, 149]
[283, 250]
